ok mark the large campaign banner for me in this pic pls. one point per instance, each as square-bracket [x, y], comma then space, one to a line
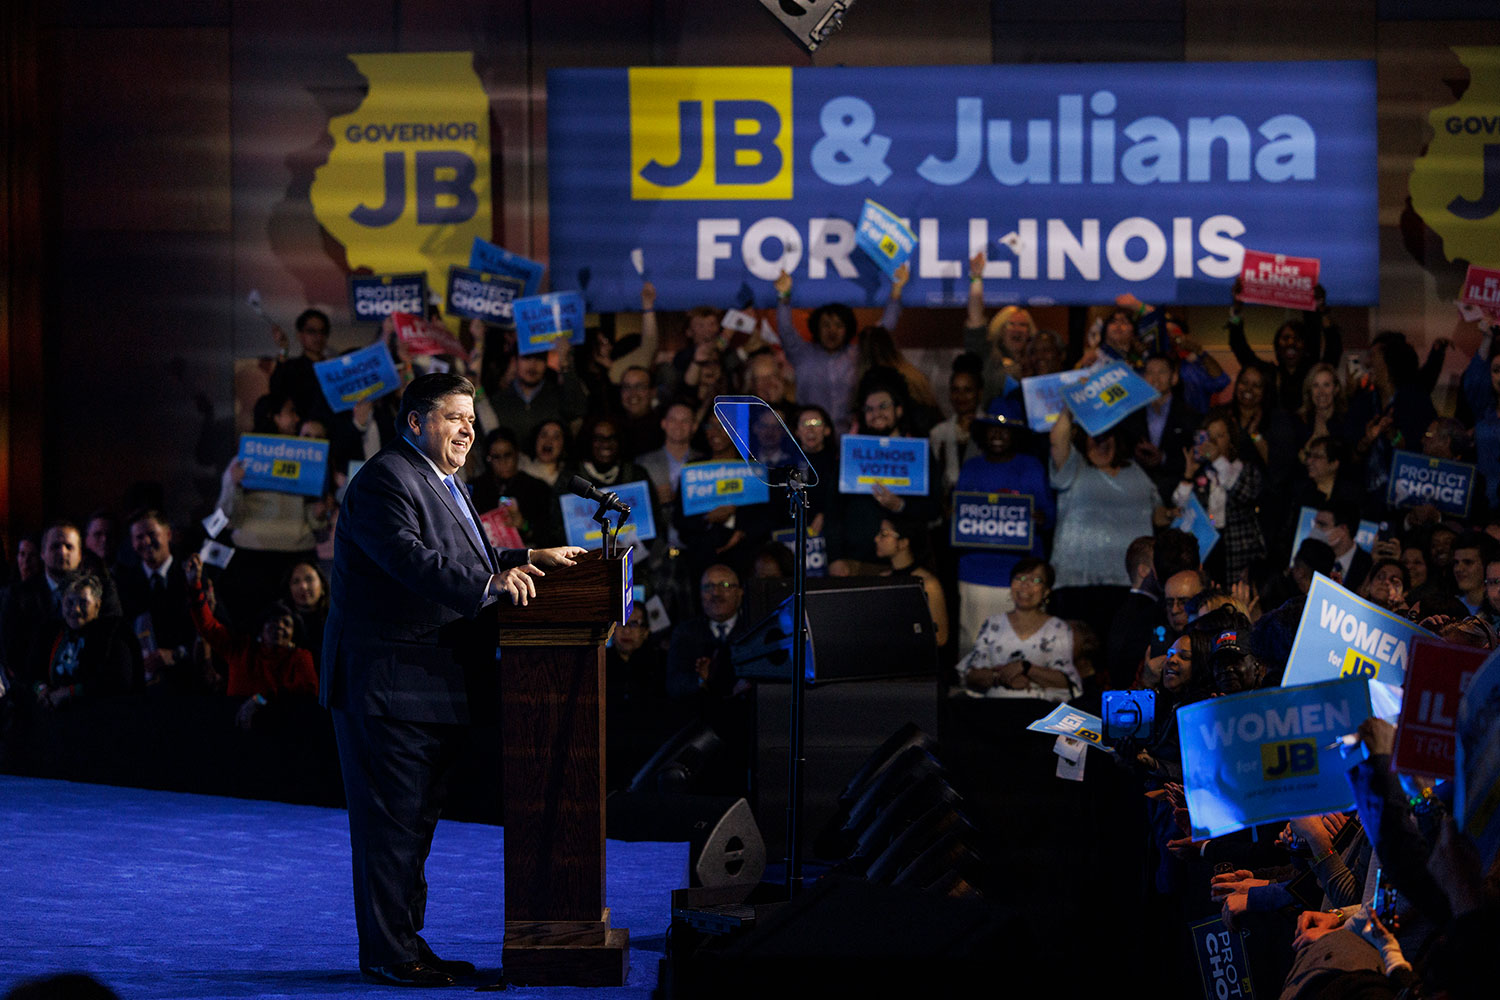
[1078, 181]
[897, 463]
[706, 485]
[992, 521]
[284, 464]
[1420, 479]
[1110, 394]
[580, 528]
[1268, 754]
[1435, 684]
[1344, 635]
[357, 377]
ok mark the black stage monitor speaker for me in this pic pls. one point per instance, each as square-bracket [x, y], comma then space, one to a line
[726, 849]
[859, 629]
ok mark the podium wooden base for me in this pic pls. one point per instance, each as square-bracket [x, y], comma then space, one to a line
[566, 952]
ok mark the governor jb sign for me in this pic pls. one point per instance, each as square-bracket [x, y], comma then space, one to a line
[1077, 182]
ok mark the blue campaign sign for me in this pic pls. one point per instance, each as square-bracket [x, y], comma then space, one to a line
[1365, 537]
[284, 464]
[1079, 181]
[992, 521]
[817, 550]
[581, 529]
[1110, 394]
[1196, 522]
[481, 295]
[487, 257]
[1221, 959]
[1269, 754]
[899, 464]
[543, 320]
[706, 485]
[1043, 396]
[1065, 720]
[374, 298]
[1417, 479]
[1343, 635]
[358, 376]
[883, 237]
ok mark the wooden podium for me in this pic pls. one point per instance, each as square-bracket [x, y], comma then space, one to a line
[557, 930]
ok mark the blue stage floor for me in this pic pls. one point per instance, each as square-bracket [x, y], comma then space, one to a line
[164, 895]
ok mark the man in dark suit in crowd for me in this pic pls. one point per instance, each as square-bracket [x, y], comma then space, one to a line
[408, 661]
[157, 589]
[699, 671]
[1337, 523]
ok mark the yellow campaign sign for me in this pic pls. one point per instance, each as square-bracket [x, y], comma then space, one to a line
[407, 184]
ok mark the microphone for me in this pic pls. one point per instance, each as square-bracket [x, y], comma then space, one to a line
[583, 488]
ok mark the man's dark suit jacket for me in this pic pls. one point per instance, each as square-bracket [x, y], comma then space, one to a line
[171, 625]
[405, 639]
[692, 639]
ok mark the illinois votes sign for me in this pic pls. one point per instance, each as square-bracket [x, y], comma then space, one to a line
[358, 376]
[897, 463]
[1264, 755]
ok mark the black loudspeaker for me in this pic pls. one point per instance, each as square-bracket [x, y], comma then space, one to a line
[677, 767]
[858, 628]
[725, 846]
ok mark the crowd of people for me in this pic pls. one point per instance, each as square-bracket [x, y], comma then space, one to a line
[1108, 595]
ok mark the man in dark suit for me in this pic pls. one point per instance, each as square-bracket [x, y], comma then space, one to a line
[157, 590]
[1337, 523]
[699, 672]
[408, 661]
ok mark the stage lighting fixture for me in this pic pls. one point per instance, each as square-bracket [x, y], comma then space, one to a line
[810, 22]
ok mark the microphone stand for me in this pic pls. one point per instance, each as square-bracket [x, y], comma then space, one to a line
[797, 498]
[611, 538]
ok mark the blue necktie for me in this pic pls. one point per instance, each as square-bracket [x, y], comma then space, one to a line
[463, 508]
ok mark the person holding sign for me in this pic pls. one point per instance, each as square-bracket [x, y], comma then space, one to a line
[984, 573]
[1298, 346]
[1227, 487]
[272, 531]
[826, 367]
[904, 545]
[1001, 341]
[851, 533]
[1104, 502]
[297, 378]
[1026, 652]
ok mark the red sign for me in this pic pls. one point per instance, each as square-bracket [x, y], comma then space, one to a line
[1274, 279]
[420, 336]
[1435, 680]
[500, 525]
[1482, 289]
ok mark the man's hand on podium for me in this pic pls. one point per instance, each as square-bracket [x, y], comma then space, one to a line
[555, 558]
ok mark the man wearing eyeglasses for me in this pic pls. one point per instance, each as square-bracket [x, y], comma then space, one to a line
[699, 671]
